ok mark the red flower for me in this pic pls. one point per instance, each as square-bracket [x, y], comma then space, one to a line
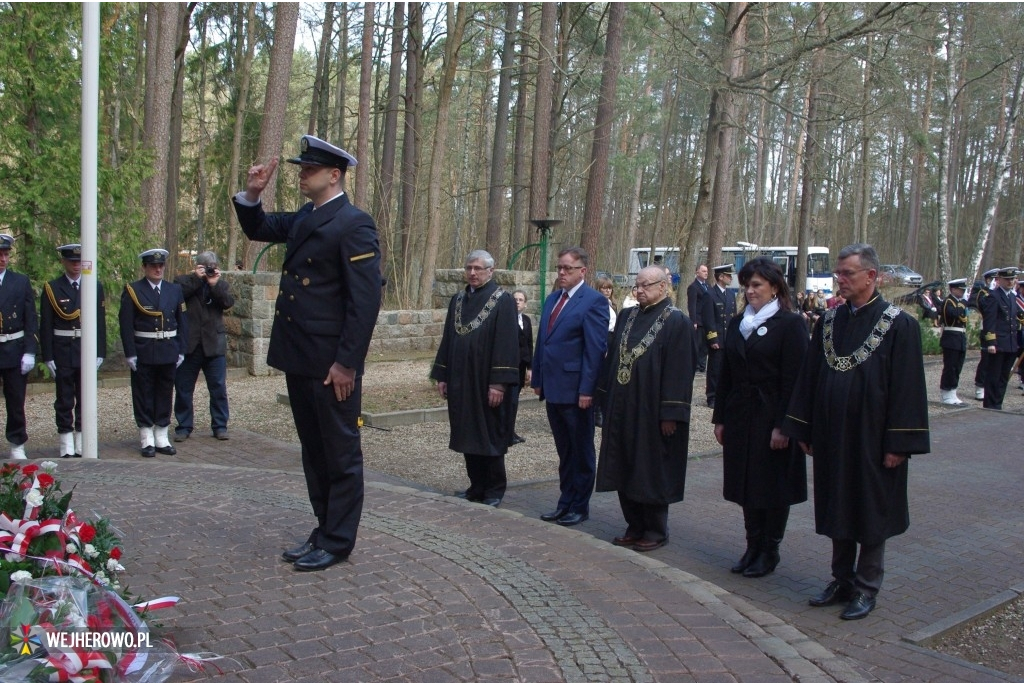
[115, 554]
[8, 469]
[45, 480]
[29, 469]
[86, 533]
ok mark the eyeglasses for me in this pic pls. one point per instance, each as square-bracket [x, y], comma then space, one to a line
[848, 274]
[563, 267]
[645, 286]
[478, 268]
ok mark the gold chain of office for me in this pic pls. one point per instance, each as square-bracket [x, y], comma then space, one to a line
[627, 357]
[463, 329]
[861, 354]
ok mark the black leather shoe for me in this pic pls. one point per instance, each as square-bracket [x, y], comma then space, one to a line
[518, 439]
[296, 553]
[648, 545]
[167, 450]
[572, 519]
[221, 434]
[318, 560]
[69, 456]
[859, 607]
[554, 515]
[492, 502]
[835, 592]
[148, 451]
[180, 436]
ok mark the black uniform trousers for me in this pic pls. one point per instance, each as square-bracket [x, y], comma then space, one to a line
[981, 372]
[332, 459]
[68, 405]
[650, 521]
[998, 367]
[702, 350]
[713, 372]
[864, 572]
[15, 384]
[152, 392]
[487, 479]
[952, 365]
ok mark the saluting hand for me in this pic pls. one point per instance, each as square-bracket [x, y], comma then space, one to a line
[259, 178]
[343, 379]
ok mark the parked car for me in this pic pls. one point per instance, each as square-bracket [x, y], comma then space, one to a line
[898, 274]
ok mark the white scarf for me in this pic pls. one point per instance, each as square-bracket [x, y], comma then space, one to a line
[752, 319]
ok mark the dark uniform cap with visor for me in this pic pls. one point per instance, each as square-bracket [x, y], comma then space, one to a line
[72, 251]
[154, 256]
[6, 241]
[958, 283]
[1007, 272]
[312, 150]
[723, 269]
[991, 273]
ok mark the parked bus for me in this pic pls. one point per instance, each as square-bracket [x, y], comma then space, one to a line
[819, 268]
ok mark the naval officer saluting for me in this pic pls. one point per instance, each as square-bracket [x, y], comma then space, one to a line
[60, 340]
[154, 332]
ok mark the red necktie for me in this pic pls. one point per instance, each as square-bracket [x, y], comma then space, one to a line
[557, 310]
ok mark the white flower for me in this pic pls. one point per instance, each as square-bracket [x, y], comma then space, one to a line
[13, 557]
[89, 551]
[48, 466]
[71, 548]
[20, 576]
[34, 498]
[101, 578]
[114, 566]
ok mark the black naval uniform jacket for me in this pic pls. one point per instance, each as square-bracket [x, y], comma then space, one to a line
[999, 324]
[953, 315]
[141, 312]
[330, 291]
[17, 313]
[719, 308]
[60, 310]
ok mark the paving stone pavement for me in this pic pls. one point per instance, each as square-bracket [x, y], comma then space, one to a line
[441, 590]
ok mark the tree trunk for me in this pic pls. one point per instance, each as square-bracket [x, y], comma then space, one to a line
[183, 21]
[600, 151]
[410, 148]
[541, 157]
[323, 57]
[362, 189]
[457, 17]
[338, 130]
[158, 124]
[861, 232]
[809, 181]
[244, 69]
[521, 234]
[382, 198]
[497, 186]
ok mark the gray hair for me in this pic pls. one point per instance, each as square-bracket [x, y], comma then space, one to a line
[480, 256]
[207, 258]
[867, 255]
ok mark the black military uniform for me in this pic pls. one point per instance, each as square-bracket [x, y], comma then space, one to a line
[979, 372]
[326, 309]
[719, 308]
[953, 319]
[154, 332]
[695, 294]
[999, 327]
[18, 327]
[60, 339]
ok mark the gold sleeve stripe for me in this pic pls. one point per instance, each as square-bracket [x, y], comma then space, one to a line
[790, 416]
[361, 256]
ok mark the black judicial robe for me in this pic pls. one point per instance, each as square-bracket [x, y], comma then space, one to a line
[469, 363]
[852, 418]
[636, 459]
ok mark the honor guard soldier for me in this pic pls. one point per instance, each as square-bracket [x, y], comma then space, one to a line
[60, 340]
[330, 293]
[17, 344]
[719, 308]
[154, 332]
[979, 373]
[953, 319]
[999, 327]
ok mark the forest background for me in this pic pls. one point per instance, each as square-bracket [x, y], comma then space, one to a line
[635, 124]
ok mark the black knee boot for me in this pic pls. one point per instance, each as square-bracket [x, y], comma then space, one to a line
[753, 522]
[775, 529]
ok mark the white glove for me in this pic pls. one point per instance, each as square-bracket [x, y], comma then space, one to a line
[181, 358]
[28, 361]
[52, 366]
[133, 363]
[99, 363]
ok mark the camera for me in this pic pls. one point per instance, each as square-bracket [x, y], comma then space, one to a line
[211, 271]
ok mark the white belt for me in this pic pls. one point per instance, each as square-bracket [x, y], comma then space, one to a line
[68, 333]
[11, 336]
[953, 329]
[159, 335]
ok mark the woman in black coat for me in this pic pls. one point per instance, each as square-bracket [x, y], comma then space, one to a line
[765, 472]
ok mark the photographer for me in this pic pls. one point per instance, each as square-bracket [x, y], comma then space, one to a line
[206, 298]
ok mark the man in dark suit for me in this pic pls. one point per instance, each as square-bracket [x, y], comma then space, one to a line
[60, 339]
[154, 332]
[695, 294]
[207, 295]
[999, 326]
[18, 325]
[571, 341]
[329, 297]
[719, 308]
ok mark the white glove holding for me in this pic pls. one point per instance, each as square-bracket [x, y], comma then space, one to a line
[28, 362]
[133, 363]
[181, 358]
[52, 366]
[99, 363]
